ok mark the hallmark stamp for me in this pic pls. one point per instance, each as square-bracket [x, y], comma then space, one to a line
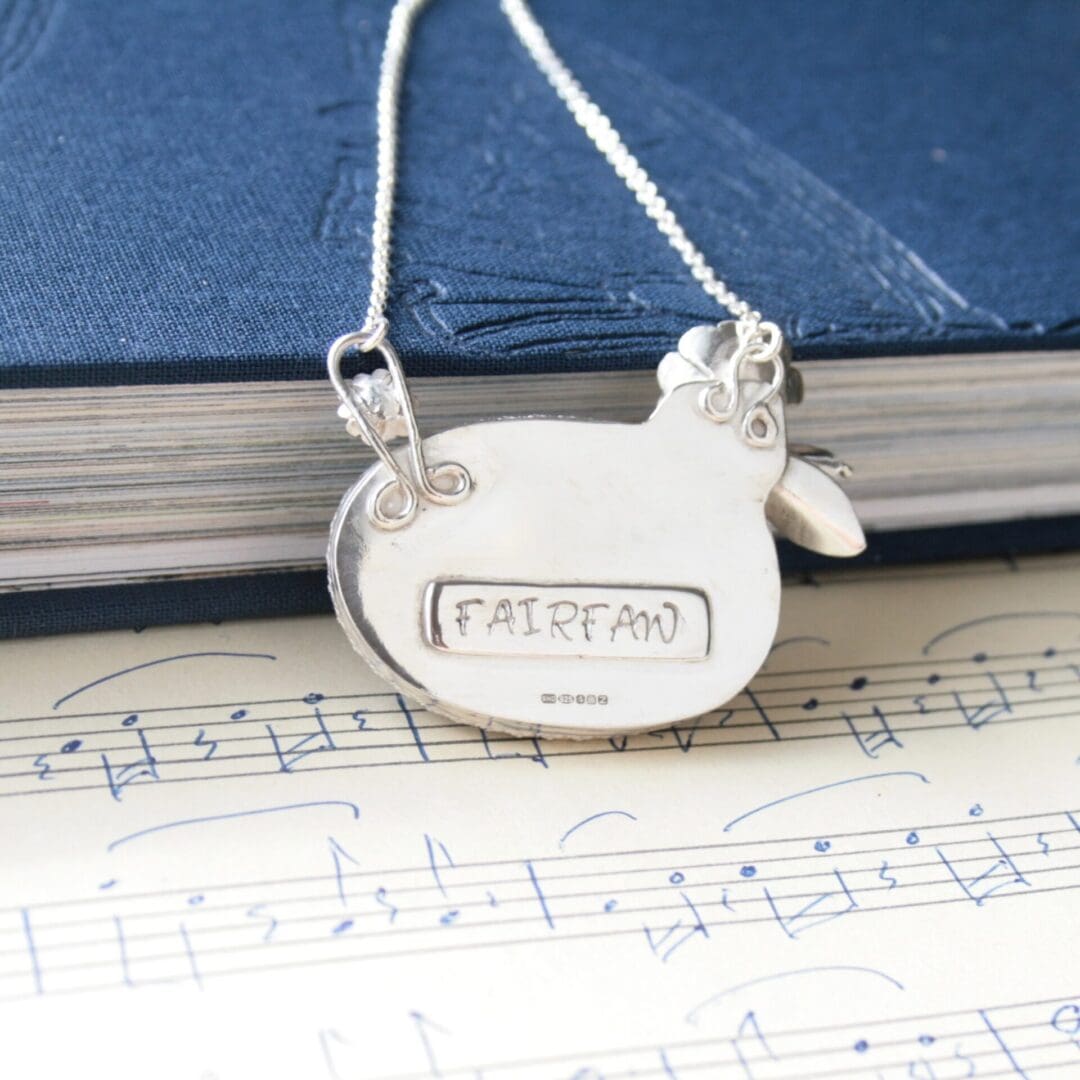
[574, 699]
[603, 621]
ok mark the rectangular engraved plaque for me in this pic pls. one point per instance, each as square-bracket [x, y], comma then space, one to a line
[603, 621]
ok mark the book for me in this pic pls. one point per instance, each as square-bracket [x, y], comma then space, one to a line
[232, 851]
[190, 189]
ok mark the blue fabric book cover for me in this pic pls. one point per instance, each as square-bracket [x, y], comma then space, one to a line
[187, 185]
[187, 191]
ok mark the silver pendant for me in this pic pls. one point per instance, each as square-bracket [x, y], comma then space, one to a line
[557, 577]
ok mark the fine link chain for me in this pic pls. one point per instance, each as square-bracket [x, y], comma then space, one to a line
[609, 142]
[585, 111]
[391, 69]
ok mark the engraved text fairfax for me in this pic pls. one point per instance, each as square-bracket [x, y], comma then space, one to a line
[603, 621]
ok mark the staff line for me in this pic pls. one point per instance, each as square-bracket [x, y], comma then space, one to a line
[753, 710]
[867, 1068]
[334, 914]
[428, 949]
[922, 662]
[914, 1021]
[562, 858]
[551, 752]
[662, 1072]
[662, 868]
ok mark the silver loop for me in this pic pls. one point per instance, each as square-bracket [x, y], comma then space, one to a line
[758, 342]
[719, 414]
[383, 518]
[759, 427]
[757, 345]
[421, 470]
[458, 490]
[376, 331]
[420, 483]
[762, 345]
[367, 342]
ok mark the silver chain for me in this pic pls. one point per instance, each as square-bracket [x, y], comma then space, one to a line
[396, 49]
[585, 111]
[609, 142]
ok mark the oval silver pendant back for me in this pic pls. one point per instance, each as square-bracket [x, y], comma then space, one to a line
[599, 578]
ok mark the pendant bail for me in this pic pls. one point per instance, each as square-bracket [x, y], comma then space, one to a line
[380, 419]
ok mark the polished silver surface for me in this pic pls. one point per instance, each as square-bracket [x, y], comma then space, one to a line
[676, 503]
[589, 555]
[808, 507]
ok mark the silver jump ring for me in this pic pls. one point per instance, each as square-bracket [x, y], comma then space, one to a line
[385, 517]
[719, 402]
[759, 426]
[460, 481]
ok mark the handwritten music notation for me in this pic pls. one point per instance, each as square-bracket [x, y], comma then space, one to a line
[875, 709]
[866, 865]
[1017, 1040]
[667, 901]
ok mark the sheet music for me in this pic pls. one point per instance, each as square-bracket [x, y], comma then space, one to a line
[230, 852]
